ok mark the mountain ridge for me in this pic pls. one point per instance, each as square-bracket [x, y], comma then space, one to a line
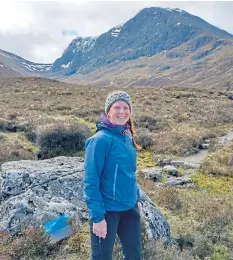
[149, 32]
[156, 47]
[21, 65]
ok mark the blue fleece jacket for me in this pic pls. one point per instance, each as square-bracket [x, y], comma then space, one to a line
[110, 172]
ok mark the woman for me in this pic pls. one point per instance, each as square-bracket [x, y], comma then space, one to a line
[110, 186]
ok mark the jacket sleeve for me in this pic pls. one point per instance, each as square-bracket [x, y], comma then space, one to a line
[95, 153]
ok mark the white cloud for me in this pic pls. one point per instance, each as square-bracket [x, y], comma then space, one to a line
[40, 31]
[15, 17]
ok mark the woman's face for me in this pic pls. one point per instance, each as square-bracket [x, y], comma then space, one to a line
[119, 113]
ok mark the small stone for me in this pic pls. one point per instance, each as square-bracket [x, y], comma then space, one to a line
[153, 173]
[169, 169]
[191, 165]
[177, 163]
[179, 182]
[205, 146]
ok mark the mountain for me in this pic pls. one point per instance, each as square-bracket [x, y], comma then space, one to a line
[152, 31]
[12, 65]
[6, 72]
[157, 47]
[180, 66]
[74, 56]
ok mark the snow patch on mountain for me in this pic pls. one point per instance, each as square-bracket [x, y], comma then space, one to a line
[35, 67]
[116, 30]
[175, 9]
[179, 10]
[169, 9]
[81, 44]
[65, 66]
[5, 55]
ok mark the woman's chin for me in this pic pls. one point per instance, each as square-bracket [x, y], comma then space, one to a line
[120, 123]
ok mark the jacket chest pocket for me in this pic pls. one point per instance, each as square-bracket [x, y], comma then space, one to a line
[114, 181]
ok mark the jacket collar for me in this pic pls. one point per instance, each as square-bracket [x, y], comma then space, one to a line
[104, 123]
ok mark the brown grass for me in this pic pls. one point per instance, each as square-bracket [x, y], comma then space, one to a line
[220, 162]
[178, 120]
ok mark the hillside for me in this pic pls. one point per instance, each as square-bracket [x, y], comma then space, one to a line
[15, 66]
[6, 72]
[209, 66]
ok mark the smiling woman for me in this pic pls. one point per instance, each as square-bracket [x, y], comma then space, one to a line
[111, 191]
[119, 113]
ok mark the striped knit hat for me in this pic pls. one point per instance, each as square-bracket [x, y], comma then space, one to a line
[117, 96]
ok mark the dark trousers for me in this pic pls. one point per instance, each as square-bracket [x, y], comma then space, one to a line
[126, 224]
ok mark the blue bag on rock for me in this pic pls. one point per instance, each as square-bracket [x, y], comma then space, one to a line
[58, 228]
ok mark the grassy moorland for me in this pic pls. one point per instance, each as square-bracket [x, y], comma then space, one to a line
[170, 123]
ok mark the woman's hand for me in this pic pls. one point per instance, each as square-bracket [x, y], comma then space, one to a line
[100, 229]
[140, 206]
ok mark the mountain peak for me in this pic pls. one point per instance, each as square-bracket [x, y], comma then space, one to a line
[82, 44]
[150, 31]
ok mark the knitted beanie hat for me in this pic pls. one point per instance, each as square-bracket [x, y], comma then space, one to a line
[117, 96]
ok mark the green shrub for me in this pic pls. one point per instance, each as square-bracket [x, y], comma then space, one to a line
[31, 135]
[11, 126]
[61, 139]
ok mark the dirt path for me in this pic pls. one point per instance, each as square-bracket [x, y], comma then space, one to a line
[196, 158]
[201, 155]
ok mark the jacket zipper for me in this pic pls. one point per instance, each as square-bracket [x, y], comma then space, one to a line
[114, 183]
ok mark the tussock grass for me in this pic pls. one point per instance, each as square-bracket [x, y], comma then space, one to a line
[177, 119]
[220, 162]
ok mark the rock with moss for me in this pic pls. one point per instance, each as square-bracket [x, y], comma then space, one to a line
[156, 225]
[152, 173]
[33, 192]
[169, 169]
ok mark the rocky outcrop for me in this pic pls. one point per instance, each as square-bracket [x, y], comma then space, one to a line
[156, 224]
[33, 192]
